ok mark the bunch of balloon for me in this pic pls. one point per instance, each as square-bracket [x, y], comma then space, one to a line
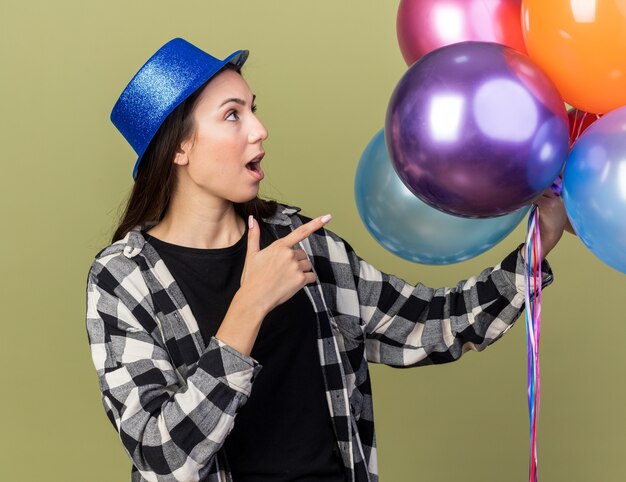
[473, 128]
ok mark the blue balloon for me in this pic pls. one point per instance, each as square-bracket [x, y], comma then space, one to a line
[594, 188]
[410, 228]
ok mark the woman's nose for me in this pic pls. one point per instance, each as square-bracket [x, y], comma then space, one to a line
[258, 132]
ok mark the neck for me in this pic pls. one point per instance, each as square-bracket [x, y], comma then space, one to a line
[199, 222]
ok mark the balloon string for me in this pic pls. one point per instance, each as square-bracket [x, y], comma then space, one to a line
[532, 281]
[579, 125]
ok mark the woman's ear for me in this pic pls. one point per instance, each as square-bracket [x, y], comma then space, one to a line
[182, 154]
[181, 158]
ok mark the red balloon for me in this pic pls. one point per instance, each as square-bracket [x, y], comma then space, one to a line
[578, 123]
[426, 25]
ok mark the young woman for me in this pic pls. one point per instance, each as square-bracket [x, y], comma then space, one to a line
[231, 335]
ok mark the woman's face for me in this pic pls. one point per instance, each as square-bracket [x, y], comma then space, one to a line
[227, 137]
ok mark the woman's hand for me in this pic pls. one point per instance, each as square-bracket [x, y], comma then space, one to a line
[270, 277]
[552, 220]
[273, 275]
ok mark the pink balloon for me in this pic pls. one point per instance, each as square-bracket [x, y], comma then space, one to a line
[425, 25]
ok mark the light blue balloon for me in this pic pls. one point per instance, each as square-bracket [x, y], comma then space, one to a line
[411, 229]
[594, 188]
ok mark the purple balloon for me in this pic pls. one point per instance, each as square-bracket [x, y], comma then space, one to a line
[476, 129]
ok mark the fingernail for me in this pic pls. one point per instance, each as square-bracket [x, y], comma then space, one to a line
[326, 218]
[250, 222]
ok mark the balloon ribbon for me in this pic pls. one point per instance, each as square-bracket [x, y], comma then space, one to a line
[532, 279]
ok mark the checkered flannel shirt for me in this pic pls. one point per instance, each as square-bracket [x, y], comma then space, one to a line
[174, 400]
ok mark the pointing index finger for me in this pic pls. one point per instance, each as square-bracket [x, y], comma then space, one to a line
[304, 231]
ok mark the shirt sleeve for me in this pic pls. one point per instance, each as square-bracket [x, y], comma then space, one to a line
[170, 428]
[409, 325]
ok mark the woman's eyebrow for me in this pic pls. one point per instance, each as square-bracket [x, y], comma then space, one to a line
[237, 100]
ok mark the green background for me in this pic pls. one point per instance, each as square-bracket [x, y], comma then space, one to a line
[323, 72]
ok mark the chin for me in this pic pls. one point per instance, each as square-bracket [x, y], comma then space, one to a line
[244, 198]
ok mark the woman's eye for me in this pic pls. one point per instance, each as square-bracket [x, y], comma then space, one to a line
[234, 113]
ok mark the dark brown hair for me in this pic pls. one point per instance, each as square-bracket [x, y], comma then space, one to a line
[156, 177]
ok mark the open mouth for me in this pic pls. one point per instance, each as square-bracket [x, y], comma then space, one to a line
[254, 167]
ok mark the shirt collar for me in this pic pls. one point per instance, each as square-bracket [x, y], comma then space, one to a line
[134, 241]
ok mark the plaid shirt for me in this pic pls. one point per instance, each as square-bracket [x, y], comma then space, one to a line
[173, 400]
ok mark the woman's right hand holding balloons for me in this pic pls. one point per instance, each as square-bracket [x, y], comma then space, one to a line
[270, 277]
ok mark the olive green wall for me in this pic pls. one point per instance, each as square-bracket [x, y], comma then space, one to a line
[323, 72]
